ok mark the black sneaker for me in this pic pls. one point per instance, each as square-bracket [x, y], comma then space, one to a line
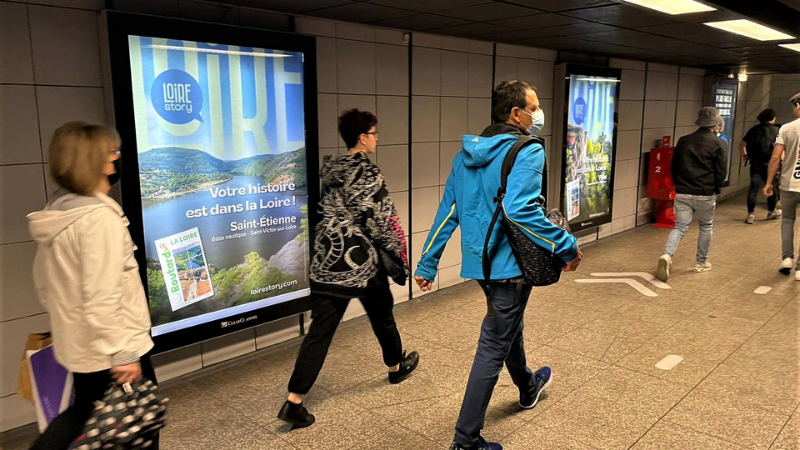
[541, 379]
[482, 445]
[407, 365]
[296, 415]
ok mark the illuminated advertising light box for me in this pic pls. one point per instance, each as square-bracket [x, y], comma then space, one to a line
[725, 92]
[215, 127]
[589, 145]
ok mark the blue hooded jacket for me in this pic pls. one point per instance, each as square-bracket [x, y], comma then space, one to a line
[469, 202]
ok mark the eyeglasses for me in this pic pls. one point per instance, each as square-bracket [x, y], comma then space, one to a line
[374, 133]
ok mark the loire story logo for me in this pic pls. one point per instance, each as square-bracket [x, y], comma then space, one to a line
[176, 97]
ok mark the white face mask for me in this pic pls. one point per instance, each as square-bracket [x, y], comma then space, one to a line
[537, 121]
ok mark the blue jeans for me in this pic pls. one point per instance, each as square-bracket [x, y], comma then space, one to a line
[685, 208]
[501, 342]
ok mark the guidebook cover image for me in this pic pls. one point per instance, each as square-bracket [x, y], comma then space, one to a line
[220, 134]
[185, 269]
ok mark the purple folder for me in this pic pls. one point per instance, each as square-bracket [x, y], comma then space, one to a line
[52, 385]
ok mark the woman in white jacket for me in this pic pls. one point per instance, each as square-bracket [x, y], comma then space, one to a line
[87, 277]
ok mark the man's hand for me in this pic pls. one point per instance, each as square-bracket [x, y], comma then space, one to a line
[423, 284]
[573, 265]
[768, 191]
[127, 374]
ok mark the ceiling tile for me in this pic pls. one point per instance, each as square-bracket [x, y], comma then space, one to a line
[488, 12]
[472, 29]
[513, 36]
[560, 5]
[360, 12]
[429, 5]
[577, 28]
[289, 6]
[536, 21]
[419, 22]
[623, 15]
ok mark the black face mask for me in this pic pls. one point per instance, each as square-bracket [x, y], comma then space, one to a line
[114, 178]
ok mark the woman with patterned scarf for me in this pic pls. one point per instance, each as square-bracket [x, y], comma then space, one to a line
[359, 243]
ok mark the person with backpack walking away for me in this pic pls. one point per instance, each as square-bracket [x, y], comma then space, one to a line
[469, 201]
[358, 244]
[699, 164]
[787, 142]
[756, 147]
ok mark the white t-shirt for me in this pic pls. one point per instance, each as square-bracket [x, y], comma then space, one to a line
[789, 137]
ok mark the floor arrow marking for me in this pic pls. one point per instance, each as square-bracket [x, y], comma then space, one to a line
[629, 281]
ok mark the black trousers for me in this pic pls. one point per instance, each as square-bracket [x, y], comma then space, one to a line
[758, 177]
[327, 313]
[89, 388]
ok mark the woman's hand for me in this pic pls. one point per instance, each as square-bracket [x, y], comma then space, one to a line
[127, 374]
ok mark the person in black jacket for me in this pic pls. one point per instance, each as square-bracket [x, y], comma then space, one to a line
[757, 146]
[698, 170]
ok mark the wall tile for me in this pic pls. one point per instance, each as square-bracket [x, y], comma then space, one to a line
[480, 115]
[15, 44]
[355, 67]
[617, 63]
[632, 86]
[66, 46]
[15, 412]
[618, 226]
[14, 334]
[400, 293]
[228, 347]
[355, 31]
[626, 174]
[427, 40]
[392, 69]
[690, 87]
[480, 76]
[659, 114]
[624, 202]
[326, 64]
[630, 115]
[389, 36]
[281, 330]
[651, 137]
[316, 27]
[683, 131]
[628, 145]
[426, 67]
[481, 47]
[58, 105]
[455, 74]
[661, 86]
[323, 152]
[693, 71]
[547, 107]
[687, 113]
[505, 69]
[548, 55]
[362, 102]
[417, 241]
[447, 152]
[455, 44]
[425, 119]
[178, 362]
[393, 161]
[528, 71]
[393, 120]
[545, 85]
[629, 223]
[19, 133]
[22, 191]
[655, 67]
[425, 172]
[450, 276]
[425, 202]
[453, 118]
[604, 231]
[328, 113]
[18, 297]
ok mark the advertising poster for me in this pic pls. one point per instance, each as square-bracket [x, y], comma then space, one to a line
[725, 93]
[220, 132]
[589, 149]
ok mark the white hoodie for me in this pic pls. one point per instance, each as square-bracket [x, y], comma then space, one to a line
[88, 280]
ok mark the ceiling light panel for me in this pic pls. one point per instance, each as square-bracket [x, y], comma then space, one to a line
[673, 7]
[744, 27]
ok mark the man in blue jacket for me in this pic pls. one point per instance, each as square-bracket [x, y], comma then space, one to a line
[469, 202]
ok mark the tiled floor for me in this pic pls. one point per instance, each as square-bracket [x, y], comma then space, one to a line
[738, 386]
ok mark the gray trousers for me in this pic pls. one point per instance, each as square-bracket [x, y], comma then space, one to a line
[789, 201]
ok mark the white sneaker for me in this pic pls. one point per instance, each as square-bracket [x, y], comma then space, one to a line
[750, 219]
[705, 267]
[664, 264]
[797, 276]
[774, 215]
[786, 266]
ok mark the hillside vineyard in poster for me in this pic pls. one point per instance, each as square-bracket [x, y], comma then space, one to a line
[220, 132]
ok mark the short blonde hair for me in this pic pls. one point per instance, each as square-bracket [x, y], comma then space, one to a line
[78, 154]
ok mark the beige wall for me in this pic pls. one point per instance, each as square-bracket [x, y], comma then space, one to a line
[50, 72]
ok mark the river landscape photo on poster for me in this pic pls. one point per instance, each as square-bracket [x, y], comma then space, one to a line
[220, 132]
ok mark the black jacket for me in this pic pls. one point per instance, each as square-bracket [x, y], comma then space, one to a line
[699, 163]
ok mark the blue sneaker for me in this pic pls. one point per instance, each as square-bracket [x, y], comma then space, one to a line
[482, 445]
[541, 379]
